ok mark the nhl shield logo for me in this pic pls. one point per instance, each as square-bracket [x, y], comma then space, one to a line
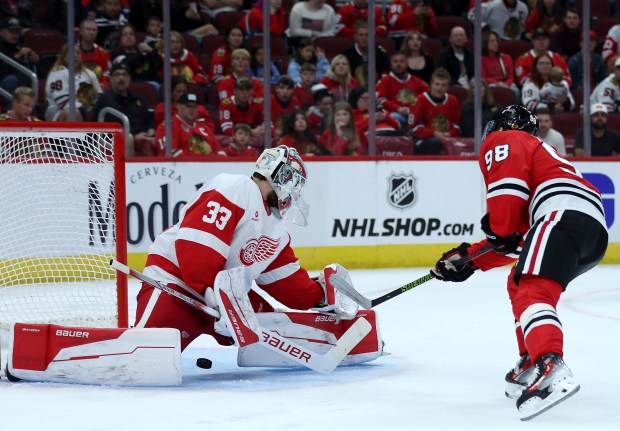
[401, 193]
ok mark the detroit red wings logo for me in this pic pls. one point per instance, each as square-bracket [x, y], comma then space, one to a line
[258, 250]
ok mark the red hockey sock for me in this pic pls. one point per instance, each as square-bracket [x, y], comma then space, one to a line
[533, 304]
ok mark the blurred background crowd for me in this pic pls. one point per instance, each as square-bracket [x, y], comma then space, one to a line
[318, 96]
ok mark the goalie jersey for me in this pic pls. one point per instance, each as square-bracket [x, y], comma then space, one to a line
[525, 180]
[227, 225]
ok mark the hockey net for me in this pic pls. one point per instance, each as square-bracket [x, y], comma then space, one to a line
[62, 212]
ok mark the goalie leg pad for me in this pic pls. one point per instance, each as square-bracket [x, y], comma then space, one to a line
[315, 331]
[106, 356]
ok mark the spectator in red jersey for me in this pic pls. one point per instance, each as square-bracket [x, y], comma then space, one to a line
[252, 21]
[183, 62]
[307, 53]
[540, 43]
[240, 67]
[341, 136]
[565, 40]
[242, 108]
[178, 87]
[190, 135]
[221, 58]
[357, 10]
[319, 113]
[547, 14]
[419, 62]
[303, 90]
[296, 133]
[359, 101]
[93, 57]
[400, 90]
[240, 143]
[357, 54]
[404, 16]
[497, 67]
[489, 108]
[22, 105]
[439, 116]
[283, 101]
[338, 78]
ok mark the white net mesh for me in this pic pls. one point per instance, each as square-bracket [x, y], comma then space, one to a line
[57, 232]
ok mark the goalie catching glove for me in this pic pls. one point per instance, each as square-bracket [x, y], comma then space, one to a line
[446, 269]
[500, 244]
[335, 302]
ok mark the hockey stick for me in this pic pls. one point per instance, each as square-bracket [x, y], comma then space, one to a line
[367, 303]
[324, 363]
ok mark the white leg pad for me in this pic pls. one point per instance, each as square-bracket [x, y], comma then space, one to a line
[314, 331]
[106, 356]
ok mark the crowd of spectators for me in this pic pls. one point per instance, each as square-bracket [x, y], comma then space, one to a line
[424, 69]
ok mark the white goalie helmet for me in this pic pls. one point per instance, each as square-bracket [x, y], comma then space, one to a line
[286, 172]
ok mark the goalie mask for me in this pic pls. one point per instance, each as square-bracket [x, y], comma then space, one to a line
[286, 172]
[513, 117]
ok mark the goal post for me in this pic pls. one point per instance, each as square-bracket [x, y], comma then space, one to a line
[62, 218]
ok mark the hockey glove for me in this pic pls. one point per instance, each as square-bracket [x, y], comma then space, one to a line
[219, 325]
[500, 244]
[446, 270]
[336, 302]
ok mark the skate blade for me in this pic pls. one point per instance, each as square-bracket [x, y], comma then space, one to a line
[565, 395]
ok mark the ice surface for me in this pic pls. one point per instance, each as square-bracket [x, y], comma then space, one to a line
[450, 345]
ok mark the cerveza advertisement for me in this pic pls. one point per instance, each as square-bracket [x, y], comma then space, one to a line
[352, 203]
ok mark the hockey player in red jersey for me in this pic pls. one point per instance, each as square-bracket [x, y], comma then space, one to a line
[237, 221]
[543, 215]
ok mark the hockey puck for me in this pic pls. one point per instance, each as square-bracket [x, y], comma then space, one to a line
[204, 363]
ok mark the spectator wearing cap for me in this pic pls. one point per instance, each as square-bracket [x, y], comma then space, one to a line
[605, 142]
[540, 45]
[506, 17]
[598, 69]
[565, 40]
[191, 135]
[241, 107]
[141, 124]
[318, 114]
[11, 45]
[239, 64]
[607, 92]
[22, 10]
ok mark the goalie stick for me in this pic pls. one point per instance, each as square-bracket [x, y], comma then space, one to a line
[322, 363]
[367, 303]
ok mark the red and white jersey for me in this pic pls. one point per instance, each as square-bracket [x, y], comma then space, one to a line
[226, 225]
[437, 116]
[402, 18]
[400, 92]
[226, 86]
[349, 14]
[188, 139]
[524, 63]
[607, 92]
[188, 66]
[611, 47]
[526, 179]
[231, 113]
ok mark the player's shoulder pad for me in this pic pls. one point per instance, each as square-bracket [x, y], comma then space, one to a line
[238, 188]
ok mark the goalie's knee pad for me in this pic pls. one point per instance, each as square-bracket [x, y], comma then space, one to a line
[109, 356]
[315, 331]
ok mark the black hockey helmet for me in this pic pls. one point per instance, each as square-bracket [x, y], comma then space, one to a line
[513, 117]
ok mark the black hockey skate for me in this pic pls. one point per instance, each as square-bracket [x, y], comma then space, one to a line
[520, 377]
[553, 383]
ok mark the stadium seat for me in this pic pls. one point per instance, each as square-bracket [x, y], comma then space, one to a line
[445, 24]
[613, 122]
[387, 44]
[394, 145]
[432, 46]
[602, 24]
[567, 124]
[459, 146]
[45, 42]
[578, 96]
[225, 20]
[147, 91]
[597, 7]
[212, 42]
[191, 44]
[514, 48]
[459, 92]
[504, 96]
[276, 45]
[333, 45]
[40, 10]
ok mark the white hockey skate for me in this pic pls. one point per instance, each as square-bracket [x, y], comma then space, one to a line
[552, 384]
[520, 377]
